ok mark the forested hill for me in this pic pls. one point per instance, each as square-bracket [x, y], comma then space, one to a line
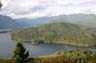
[8, 23]
[58, 33]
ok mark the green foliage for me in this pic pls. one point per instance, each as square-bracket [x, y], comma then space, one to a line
[20, 54]
[62, 33]
[74, 56]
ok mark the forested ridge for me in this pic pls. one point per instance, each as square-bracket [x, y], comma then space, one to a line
[72, 56]
[57, 33]
[8, 23]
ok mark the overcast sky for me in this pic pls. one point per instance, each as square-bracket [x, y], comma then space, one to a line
[40, 8]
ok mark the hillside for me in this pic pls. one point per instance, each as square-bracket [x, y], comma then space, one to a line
[58, 33]
[8, 23]
[81, 19]
[73, 56]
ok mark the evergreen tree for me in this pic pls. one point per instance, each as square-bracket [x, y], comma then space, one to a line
[20, 54]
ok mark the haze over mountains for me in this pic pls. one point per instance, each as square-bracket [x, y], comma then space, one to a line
[82, 19]
[9, 23]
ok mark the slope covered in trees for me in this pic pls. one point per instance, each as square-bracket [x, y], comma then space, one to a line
[58, 33]
[21, 55]
[8, 23]
[75, 56]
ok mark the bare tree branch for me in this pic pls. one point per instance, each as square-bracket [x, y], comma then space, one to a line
[0, 5]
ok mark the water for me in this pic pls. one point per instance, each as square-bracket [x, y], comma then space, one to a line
[7, 46]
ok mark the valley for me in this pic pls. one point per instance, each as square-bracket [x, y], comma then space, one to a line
[49, 40]
[47, 31]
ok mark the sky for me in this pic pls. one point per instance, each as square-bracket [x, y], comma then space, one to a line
[41, 8]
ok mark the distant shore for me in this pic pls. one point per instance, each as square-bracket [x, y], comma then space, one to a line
[4, 30]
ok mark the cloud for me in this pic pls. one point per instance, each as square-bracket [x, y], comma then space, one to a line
[40, 8]
[29, 15]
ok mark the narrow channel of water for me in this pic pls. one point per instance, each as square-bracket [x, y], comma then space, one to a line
[7, 45]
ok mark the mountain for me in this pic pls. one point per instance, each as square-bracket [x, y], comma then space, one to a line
[81, 19]
[9, 23]
[40, 21]
[34, 22]
[58, 33]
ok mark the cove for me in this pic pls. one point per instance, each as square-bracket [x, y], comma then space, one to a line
[7, 46]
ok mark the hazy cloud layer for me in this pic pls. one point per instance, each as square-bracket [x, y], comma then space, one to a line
[40, 8]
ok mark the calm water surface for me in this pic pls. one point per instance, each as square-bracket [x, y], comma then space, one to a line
[7, 45]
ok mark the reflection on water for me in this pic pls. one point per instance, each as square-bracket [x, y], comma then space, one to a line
[7, 45]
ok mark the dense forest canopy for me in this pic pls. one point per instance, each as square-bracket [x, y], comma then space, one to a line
[57, 32]
[74, 56]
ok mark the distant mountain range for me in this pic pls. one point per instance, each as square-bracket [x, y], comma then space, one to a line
[82, 19]
[9, 23]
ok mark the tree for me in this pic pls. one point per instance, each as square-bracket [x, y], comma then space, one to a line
[0, 5]
[20, 54]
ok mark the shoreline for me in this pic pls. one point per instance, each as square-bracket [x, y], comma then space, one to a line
[37, 43]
